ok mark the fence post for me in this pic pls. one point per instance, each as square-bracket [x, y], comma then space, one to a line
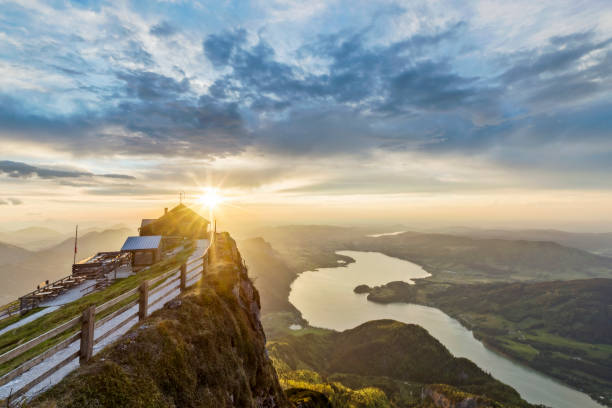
[183, 277]
[143, 301]
[88, 321]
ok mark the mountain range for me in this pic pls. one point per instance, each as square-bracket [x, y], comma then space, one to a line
[596, 242]
[448, 257]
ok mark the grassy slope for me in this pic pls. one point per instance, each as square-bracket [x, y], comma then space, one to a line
[393, 356]
[206, 350]
[563, 328]
[26, 332]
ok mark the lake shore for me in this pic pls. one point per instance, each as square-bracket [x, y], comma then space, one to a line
[538, 348]
[326, 299]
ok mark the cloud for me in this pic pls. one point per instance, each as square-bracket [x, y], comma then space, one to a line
[220, 47]
[562, 53]
[22, 170]
[148, 85]
[427, 79]
[394, 79]
[10, 201]
[157, 116]
[163, 29]
[117, 176]
[367, 97]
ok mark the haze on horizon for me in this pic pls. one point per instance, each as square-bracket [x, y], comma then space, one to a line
[480, 113]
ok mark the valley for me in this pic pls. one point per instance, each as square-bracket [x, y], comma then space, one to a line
[306, 248]
[562, 328]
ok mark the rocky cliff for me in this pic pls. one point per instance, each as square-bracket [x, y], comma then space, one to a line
[444, 396]
[204, 349]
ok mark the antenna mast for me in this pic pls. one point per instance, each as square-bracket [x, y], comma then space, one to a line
[76, 239]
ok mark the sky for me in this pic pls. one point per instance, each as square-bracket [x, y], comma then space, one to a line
[482, 113]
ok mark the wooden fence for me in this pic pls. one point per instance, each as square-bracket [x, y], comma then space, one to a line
[87, 323]
[9, 310]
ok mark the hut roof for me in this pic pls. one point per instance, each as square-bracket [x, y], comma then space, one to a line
[180, 221]
[142, 243]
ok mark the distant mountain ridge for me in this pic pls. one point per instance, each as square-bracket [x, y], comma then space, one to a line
[596, 242]
[11, 253]
[32, 238]
[489, 259]
[450, 258]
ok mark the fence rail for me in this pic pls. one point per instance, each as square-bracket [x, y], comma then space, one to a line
[9, 310]
[88, 325]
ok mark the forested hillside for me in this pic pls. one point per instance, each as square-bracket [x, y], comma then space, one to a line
[396, 358]
[563, 328]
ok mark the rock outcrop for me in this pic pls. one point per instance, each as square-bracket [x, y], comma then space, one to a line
[444, 396]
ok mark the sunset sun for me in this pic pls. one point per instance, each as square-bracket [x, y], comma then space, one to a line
[211, 198]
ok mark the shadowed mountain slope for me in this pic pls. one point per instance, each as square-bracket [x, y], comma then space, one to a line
[387, 349]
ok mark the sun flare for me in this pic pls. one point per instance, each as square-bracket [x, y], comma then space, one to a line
[211, 198]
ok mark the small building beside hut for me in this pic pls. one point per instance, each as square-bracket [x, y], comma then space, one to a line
[145, 222]
[145, 250]
[181, 221]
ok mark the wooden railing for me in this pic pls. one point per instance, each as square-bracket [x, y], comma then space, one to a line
[86, 323]
[9, 310]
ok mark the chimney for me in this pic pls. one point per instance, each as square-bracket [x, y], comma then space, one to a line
[165, 210]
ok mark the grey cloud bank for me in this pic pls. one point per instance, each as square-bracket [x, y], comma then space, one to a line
[344, 92]
[22, 170]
